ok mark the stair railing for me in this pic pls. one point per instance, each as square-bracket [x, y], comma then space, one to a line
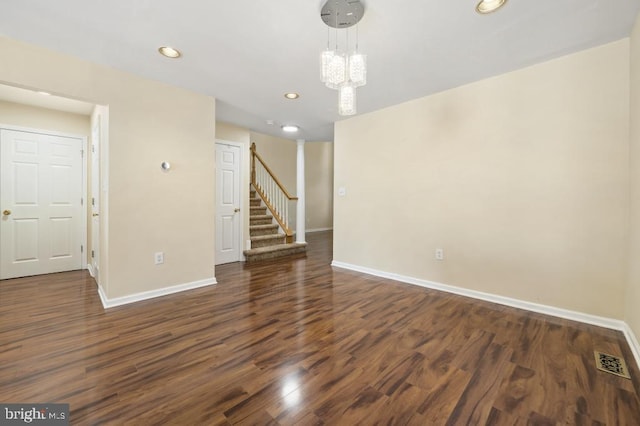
[272, 192]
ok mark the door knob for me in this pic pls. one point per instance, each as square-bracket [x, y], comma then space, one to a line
[95, 214]
[6, 212]
[236, 210]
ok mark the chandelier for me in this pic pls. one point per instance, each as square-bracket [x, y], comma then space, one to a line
[343, 70]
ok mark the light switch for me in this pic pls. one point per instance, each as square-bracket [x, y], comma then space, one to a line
[342, 191]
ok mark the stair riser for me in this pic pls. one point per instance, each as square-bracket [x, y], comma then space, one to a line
[293, 252]
[253, 221]
[258, 232]
[255, 202]
[270, 242]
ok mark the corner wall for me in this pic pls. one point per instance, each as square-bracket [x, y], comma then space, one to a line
[522, 180]
[319, 185]
[632, 316]
[149, 211]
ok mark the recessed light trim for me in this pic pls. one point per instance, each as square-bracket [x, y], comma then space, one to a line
[40, 92]
[291, 95]
[488, 6]
[290, 128]
[169, 52]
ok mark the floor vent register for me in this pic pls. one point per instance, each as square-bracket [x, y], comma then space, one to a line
[611, 364]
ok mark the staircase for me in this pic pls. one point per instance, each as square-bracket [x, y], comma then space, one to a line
[266, 240]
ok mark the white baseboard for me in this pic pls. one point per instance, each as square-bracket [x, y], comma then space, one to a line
[90, 269]
[124, 300]
[515, 303]
[633, 342]
[309, 231]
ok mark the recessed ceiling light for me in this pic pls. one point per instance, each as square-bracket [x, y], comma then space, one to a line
[169, 52]
[488, 6]
[269, 122]
[290, 128]
[291, 95]
[44, 93]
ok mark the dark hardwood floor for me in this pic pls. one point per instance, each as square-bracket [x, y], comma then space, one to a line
[297, 342]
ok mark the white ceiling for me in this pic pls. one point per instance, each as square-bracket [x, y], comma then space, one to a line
[248, 53]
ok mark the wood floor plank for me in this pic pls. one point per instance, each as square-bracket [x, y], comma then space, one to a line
[297, 342]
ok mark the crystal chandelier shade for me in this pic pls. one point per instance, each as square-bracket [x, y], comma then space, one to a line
[325, 60]
[347, 99]
[357, 69]
[337, 71]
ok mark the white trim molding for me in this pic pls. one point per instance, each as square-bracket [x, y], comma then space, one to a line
[507, 301]
[633, 342]
[138, 297]
[300, 192]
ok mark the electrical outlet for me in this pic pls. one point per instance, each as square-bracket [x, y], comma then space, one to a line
[159, 256]
[439, 254]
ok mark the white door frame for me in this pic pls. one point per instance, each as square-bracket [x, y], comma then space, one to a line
[100, 114]
[242, 202]
[84, 204]
[93, 263]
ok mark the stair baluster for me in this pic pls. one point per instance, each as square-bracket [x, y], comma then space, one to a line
[272, 192]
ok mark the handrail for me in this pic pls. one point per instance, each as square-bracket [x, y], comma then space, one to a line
[272, 192]
[254, 154]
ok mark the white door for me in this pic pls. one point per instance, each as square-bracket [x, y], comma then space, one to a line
[227, 203]
[40, 199]
[95, 200]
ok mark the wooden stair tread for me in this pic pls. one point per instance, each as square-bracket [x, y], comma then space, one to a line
[267, 242]
[276, 248]
[267, 226]
[267, 237]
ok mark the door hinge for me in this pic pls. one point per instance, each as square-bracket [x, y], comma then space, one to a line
[93, 201]
[82, 152]
[82, 201]
[93, 254]
[81, 249]
[93, 148]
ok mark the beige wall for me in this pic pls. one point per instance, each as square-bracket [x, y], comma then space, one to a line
[319, 185]
[280, 156]
[44, 119]
[522, 179]
[633, 291]
[148, 210]
[232, 133]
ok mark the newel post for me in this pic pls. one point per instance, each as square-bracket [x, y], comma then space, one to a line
[253, 163]
[300, 208]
